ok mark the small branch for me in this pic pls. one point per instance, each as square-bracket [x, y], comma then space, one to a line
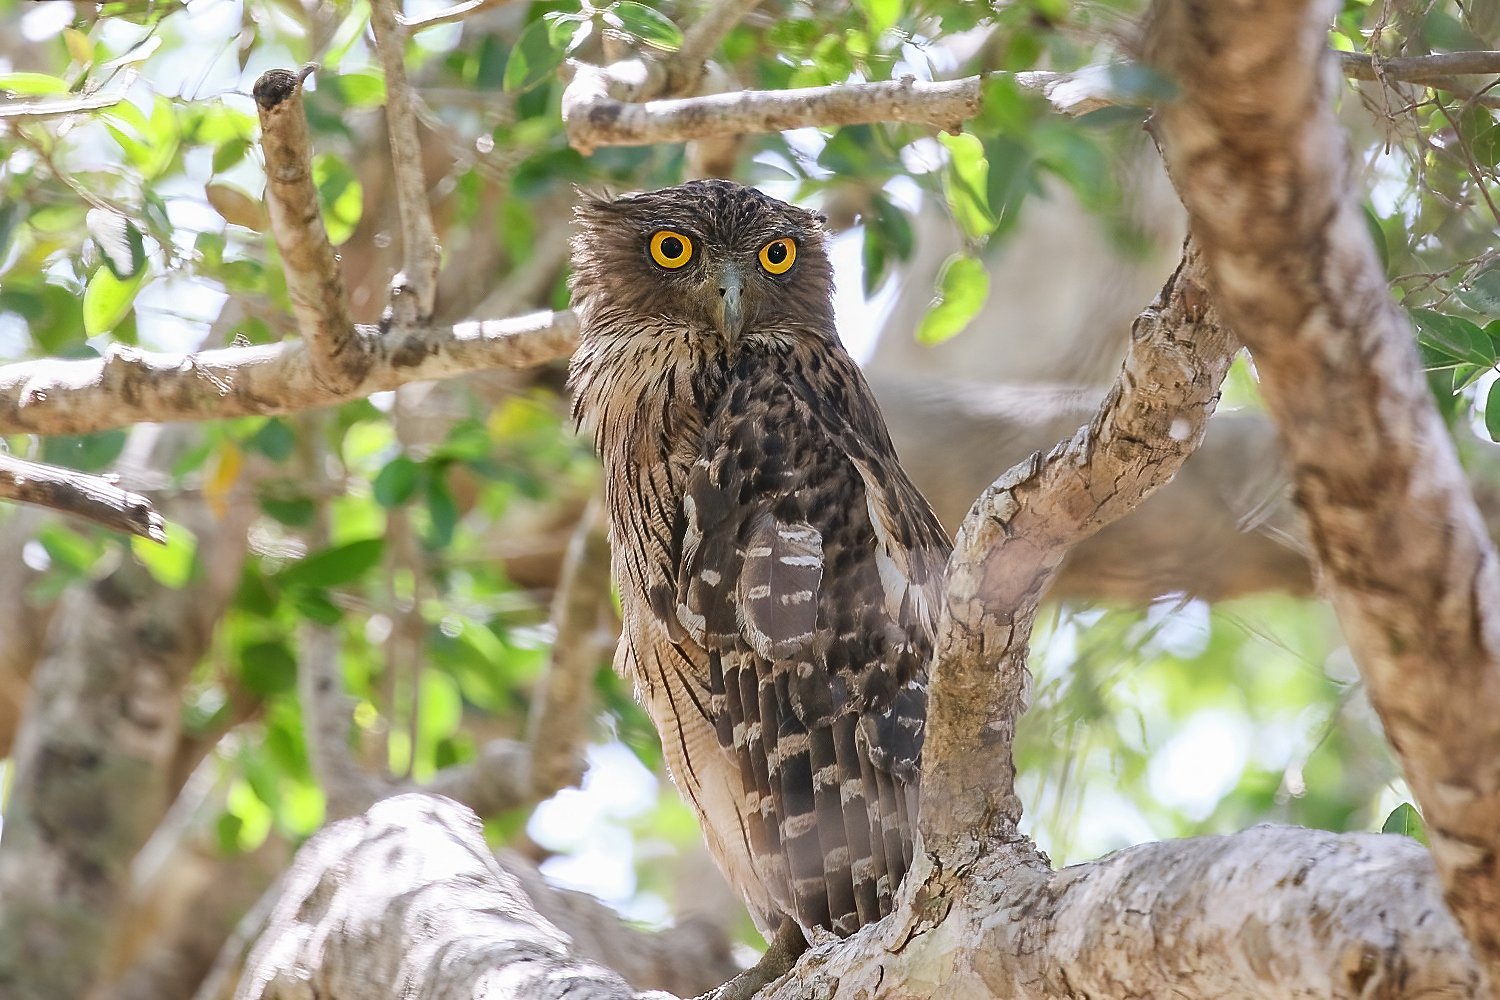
[314, 281]
[129, 386]
[594, 117]
[414, 290]
[1419, 69]
[448, 15]
[95, 498]
[1014, 539]
[599, 106]
[700, 40]
[58, 108]
[563, 698]
[493, 782]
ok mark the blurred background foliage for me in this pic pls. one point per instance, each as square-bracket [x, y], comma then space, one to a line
[427, 525]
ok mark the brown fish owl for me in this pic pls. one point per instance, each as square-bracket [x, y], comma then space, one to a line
[779, 572]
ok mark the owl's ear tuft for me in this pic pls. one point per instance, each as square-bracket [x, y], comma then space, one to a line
[593, 206]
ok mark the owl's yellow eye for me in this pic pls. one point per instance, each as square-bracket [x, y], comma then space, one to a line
[671, 250]
[777, 256]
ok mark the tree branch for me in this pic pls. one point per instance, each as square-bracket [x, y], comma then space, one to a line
[594, 115]
[1419, 69]
[314, 283]
[416, 869]
[414, 289]
[95, 498]
[129, 386]
[1014, 539]
[1261, 164]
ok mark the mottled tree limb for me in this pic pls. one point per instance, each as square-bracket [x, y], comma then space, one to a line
[1011, 544]
[314, 282]
[416, 869]
[1272, 913]
[129, 386]
[95, 498]
[91, 762]
[414, 288]
[1262, 166]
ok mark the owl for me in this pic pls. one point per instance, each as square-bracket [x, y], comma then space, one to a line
[779, 573]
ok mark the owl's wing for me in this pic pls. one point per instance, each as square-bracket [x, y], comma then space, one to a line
[805, 571]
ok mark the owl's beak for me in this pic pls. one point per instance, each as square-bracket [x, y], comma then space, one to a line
[731, 309]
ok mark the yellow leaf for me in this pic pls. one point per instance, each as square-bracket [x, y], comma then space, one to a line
[78, 46]
[236, 206]
[221, 480]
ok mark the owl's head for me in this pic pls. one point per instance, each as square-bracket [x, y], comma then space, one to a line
[724, 259]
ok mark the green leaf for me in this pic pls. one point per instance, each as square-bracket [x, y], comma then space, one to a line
[86, 452]
[1486, 146]
[107, 300]
[533, 60]
[1458, 340]
[1492, 411]
[395, 484]
[341, 195]
[230, 152]
[442, 513]
[1406, 821]
[441, 706]
[118, 240]
[966, 184]
[1377, 236]
[314, 605]
[650, 26]
[275, 440]
[962, 287]
[32, 84]
[881, 15]
[268, 668]
[333, 566]
[359, 89]
[296, 512]
[171, 565]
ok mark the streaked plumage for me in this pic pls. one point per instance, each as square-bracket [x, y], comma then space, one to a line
[779, 572]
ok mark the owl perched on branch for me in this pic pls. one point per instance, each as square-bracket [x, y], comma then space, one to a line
[779, 572]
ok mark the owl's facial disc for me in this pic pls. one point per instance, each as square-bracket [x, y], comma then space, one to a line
[729, 310]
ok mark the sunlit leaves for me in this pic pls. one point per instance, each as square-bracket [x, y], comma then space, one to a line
[962, 287]
[1406, 821]
[235, 206]
[340, 194]
[108, 299]
[966, 184]
[333, 566]
[31, 84]
[171, 565]
[644, 23]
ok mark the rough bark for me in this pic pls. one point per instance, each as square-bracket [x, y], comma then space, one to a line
[1261, 165]
[130, 386]
[92, 761]
[415, 869]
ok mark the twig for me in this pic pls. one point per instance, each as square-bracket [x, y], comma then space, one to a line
[95, 498]
[448, 15]
[1014, 539]
[494, 782]
[561, 705]
[414, 290]
[54, 109]
[1419, 69]
[314, 281]
[129, 386]
[700, 40]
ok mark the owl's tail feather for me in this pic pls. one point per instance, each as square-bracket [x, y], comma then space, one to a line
[837, 851]
[859, 821]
